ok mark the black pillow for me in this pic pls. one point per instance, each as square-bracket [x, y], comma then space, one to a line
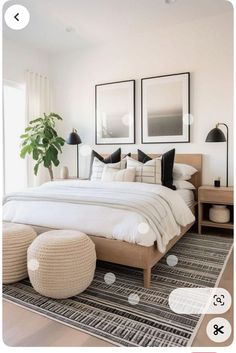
[143, 157]
[115, 157]
[127, 155]
[167, 165]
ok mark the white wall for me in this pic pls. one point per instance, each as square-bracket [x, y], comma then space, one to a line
[18, 58]
[204, 47]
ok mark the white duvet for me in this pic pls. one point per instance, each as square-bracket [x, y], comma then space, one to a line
[64, 205]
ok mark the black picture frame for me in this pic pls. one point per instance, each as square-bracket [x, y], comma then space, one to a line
[117, 141]
[187, 98]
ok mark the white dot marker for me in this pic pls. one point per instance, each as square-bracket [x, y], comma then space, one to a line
[188, 119]
[33, 264]
[143, 228]
[133, 299]
[126, 120]
[110, 278]
[172, 260]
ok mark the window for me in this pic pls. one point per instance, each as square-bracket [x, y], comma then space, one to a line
[15, 168]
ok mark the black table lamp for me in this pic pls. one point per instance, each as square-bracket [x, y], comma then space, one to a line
[217, 135]
[74, 139]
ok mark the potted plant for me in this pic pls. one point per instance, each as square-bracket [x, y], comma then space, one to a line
[42, 142]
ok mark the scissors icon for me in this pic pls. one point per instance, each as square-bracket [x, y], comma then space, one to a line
[218, 329]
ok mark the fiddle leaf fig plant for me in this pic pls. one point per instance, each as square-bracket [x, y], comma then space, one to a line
[40, 140]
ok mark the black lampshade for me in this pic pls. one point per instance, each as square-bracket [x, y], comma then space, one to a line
[216, 135]
[73, 138]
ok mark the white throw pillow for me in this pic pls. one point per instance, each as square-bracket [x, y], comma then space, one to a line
[183, 171]
[149, 172]
[183, 184]
[111, 174]
[98, 166]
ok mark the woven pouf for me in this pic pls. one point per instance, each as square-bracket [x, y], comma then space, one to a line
[16, 240]
[61, 263]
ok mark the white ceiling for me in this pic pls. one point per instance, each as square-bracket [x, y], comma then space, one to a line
[97, 21]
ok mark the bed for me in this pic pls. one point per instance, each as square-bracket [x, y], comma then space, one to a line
[139, 202]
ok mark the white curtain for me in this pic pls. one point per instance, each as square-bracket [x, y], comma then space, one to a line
[38, 101]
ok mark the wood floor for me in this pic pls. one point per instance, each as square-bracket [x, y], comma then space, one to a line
[22, 327]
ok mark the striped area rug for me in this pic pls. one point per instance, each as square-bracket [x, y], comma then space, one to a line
[104, 311]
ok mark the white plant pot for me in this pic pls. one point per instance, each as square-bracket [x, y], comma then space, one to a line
[219, 214]
[64, 173]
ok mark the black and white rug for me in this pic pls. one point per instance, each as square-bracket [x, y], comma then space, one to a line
[124, 312]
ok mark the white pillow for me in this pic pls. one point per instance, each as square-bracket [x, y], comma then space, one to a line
[98, 166]
[183, 184]
[149, 172]
[183, 171]
[111, 174]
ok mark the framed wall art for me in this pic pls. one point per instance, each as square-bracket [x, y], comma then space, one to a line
[166, 108]
[115, 113]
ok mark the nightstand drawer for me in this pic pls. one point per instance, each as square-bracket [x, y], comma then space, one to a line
[216, 195]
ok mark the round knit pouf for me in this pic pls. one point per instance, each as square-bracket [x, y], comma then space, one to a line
[61, 263]
[16, 240]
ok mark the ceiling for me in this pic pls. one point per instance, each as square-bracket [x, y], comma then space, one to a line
[98, 21]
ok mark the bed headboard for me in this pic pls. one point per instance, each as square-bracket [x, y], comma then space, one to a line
[194, 160]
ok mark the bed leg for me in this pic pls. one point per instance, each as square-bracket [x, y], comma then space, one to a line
[147, 277]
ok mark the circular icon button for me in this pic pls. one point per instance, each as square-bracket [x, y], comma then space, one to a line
[218, 329]
[17, 17]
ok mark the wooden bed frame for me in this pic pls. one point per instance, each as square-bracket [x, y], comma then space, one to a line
[143, 257]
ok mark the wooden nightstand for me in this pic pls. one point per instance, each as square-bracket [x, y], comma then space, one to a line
[210, 195]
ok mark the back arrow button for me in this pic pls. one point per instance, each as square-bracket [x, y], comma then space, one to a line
[16, 16]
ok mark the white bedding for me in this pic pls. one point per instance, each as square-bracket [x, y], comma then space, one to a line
[187, 196]
[110, 222]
